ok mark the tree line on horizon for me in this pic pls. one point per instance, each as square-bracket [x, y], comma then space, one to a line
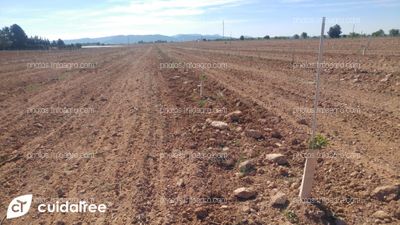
[333, 32]
[15, 38]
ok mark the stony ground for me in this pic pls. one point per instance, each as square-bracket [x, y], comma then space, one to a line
[142, 139]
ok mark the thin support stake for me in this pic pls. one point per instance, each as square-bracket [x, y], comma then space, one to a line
[311, 162]
[201, 88]
[366, 46]
[201, 85]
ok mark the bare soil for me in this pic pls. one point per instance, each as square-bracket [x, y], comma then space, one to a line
[135, 139]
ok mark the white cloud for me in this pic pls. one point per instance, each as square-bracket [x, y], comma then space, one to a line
[136, 17]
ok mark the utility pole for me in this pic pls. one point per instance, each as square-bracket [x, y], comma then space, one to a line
[223, 29]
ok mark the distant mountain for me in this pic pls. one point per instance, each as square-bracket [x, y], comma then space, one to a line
[125, 39]
[193, 37]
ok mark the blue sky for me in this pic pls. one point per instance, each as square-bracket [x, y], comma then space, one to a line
[79, 18]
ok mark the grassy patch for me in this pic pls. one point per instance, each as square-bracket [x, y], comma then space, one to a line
[202, 103]
[291, 216]
[318, 142]
[62, 77]
[32, 87]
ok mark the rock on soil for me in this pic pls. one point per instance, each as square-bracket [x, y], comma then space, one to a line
[180, 183]
[234, 116]
[262, 121]
[244, 193]
[201, 213]
[246, 209]
[224, 207]
[246, 166]
[278, 158]
[386, 79]
[302, 121]
[103, 99]
[38, 125]
[256, 134]
[386, 193]
[339, 221]
[296, 141]
[279, 199]
[276, 134]
[228, 164]
[219, 124]
[381, 215]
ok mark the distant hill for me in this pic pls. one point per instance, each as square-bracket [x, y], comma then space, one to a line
[124, 39]
[194, 37]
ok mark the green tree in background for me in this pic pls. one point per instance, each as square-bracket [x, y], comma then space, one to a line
[5, 38]
[379, 33]
[60, 43]
[335, 31]
[394, 32]
[354, 35]
[18, 37]
[15, 38]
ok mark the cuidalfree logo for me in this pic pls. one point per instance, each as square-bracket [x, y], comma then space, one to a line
[19, 206]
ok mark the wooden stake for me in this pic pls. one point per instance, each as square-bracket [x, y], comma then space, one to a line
[201, 85]
[201, 88]
[311, 162]
[292, 57]
[367, 45]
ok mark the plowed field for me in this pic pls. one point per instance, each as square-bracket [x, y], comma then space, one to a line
[138, 136]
